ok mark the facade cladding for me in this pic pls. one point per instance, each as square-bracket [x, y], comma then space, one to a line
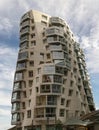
[51, 80]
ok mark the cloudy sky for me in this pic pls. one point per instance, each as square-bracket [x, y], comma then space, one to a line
[83, 19]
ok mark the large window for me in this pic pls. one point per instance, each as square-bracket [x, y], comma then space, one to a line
[15, 117]
[45, 88]
[51, 100]
[19, 76]
[62, 112]
[56, 88]
[21, 65]
[50, 112]
[15, 106]
[16, 95]
[17, 85]
[23, 55]
[57, 78]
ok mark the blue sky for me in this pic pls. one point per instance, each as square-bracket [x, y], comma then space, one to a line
[83, 19]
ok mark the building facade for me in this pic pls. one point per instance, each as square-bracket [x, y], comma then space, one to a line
[51, 81]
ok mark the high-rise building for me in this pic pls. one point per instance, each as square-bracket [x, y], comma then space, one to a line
[51, 82]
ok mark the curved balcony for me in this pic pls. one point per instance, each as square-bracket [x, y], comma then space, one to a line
[57, 21]
[24, 31]
[25, 17]
[54, 31]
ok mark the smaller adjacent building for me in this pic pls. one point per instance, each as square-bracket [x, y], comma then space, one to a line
[89, 121]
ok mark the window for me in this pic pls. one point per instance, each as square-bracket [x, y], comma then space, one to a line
[31, 63]
[48, 56]
[37, 79]
[68, 103]
[15, 106]
[29, 103]
[24, 94]
[51, 100]
[33, 43]
[62, 112]
[71, 83]
[23, 55]
[33, 27]
[70, 92]
[31, 53]
[30, 73]
[16, 95]
[37, 89]
[19, 76]
[17, 85]
[43, 23]
[15, 117]
[29, 114]
[30, 91]
[30, 83]
[42, 56]
[39, 70]
[63, 90]
[23, 105]
[21, 65]
[45, 88]
[56, 88]
[62, 101]
[33, 35]
[44, 17]
[50, 112]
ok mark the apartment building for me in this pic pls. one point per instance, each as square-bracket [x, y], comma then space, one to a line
[51, 81]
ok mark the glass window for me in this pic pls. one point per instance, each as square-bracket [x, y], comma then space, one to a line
[17, 85]
[31, 63]
[29, 114]
[62, 112]
[45, 88]
[68, 103]
[44, 17]
[16, 95]
[30, 73]
[19, 76]
[62, 101]
[56, 88]
[47, 78]
[21, 65]
[51, 100]
[50, 112]
[23, 55]
[30, 83]
[43, 23]
[58, 78]
[15, 106]
[70, 92]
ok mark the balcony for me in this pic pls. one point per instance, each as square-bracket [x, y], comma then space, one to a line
[25, 31]
[23, 56]
[57, 21]
[54, 31]
[25, 17]
[24, 39]
[17, 86]
[24, 24]
[21, 66]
